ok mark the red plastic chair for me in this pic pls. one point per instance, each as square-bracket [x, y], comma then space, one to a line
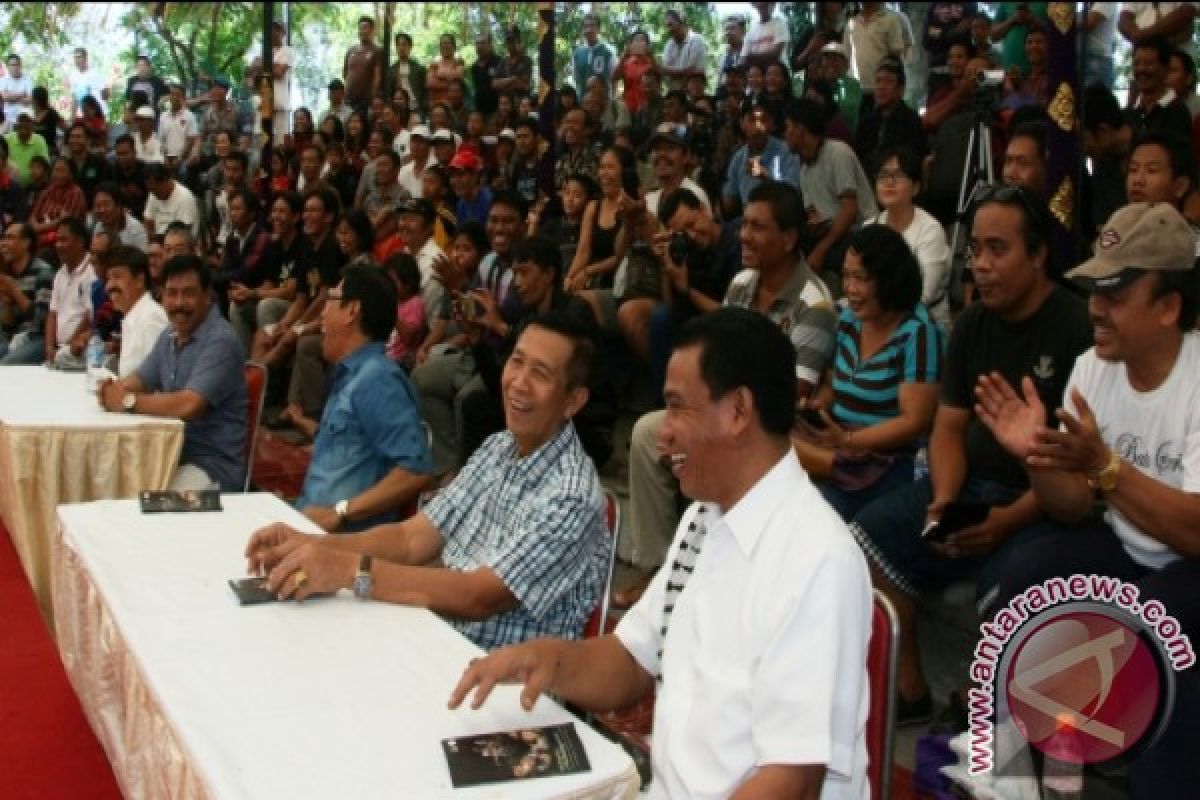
[597, 623]
[882, 657]
[256, 385]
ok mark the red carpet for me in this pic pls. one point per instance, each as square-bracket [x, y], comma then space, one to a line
[279, 467]
[47, 749]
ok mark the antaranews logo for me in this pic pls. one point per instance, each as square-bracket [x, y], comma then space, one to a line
[1080, 667]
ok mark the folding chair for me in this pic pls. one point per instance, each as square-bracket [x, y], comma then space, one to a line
[597, 624]
[256, 384]
[882, 658]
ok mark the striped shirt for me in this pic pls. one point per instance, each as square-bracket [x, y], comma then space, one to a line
[867, 392]
[803, 310]
[538, 523]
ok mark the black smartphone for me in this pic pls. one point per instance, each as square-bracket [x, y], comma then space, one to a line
[955, 517]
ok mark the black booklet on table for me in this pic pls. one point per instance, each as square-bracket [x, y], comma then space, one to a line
[185, 500]
[515, 755]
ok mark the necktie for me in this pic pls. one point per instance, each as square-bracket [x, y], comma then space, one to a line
[682, 568]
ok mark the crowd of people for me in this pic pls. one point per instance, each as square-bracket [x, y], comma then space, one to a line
[766, 248]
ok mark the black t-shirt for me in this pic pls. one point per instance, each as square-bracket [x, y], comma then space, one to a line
[153, 88]
[283, 263]
[132, 185]
[1173, 117]
[482, 73]
[322, 264]
[711, 271]
[1044, 347]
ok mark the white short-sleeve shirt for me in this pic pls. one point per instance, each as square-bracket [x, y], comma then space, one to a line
[179, 207]
[71, 298]
[1157, 432]
[764, 661]
[762, 37]
[140, 329]
[174, 130]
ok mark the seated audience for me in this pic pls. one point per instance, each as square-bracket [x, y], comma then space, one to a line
[1023, 323]
[513, 548]
[25, 291]
[127, 279]
[876, 404]
[1156, 107]
[194, 372]
[897, 184]
[69, 321]
[1126, 431]
[768, 673]
[891, 122]
[370, 458]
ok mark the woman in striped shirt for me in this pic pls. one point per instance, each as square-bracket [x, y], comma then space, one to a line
[859, 435]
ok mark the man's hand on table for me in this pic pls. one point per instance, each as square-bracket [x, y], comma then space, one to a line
[534, 664]
[298, 565]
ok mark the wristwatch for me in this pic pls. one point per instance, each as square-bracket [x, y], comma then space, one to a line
[341, 508]
[363, 583]
[129, 402]
[1106, 479]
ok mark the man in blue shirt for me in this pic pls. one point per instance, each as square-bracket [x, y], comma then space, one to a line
[763, 158]
[513, 548]
[370, 457]
[593, 57]
[474, 201]
[194, 373]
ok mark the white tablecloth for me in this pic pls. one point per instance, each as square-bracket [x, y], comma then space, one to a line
[58, 446]
[194, 696]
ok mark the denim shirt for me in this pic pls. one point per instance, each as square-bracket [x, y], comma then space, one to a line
[210, 364]
[370, 426]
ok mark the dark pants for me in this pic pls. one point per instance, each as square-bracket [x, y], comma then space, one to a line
[1169, 768]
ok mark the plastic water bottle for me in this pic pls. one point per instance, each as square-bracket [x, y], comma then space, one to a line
[93, 360]
[1062, 772]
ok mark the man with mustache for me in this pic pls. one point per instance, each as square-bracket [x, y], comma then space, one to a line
[1157, 106]
[128, 284]
[193, 373]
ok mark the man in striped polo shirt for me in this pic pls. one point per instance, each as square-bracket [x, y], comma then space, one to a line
[775, 281]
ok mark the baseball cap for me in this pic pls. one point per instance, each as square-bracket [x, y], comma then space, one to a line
[421, 130]
[670, 132]
[416, 205]
[442, 135]
[508, 133]
[467, 160]
[1139, 238]
[835, 47]
[145, 112]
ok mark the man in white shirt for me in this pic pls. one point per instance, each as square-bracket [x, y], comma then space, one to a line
[15, 90]
[672, 161]
[282, 61]
[1130, 433]
[83, 81]
[767, 40]
[1140, 21]
[415, 220]
[421, 157]
[755, 638]
[177, 130]
[128, 280]
[70, 314]
[169, 201]
[684, 53]
[876, 33]
[146, 143]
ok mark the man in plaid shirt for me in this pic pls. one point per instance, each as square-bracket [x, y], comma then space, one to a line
[514, 548]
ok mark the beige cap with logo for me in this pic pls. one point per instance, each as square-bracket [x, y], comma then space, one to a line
[1137, 238]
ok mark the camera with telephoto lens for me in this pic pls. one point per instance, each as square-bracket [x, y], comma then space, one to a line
[679, 248]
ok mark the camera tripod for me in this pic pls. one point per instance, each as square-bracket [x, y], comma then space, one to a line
[978, 173]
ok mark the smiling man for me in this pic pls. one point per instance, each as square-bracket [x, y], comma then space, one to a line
[514, 548]
[193, 373]
[755, 639]
[128, 284]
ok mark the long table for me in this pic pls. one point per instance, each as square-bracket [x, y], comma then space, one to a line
[58, 446]
[194, 696]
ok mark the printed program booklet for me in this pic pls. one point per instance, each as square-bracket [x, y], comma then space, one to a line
[515, 755]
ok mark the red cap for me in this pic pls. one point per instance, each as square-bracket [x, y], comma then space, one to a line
[466, 159]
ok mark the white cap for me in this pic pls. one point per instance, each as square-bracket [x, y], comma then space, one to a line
[508, 133]
[145, 112]
[420, 130]
[442, 135]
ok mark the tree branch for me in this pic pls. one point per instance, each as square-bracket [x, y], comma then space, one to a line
[211, 56]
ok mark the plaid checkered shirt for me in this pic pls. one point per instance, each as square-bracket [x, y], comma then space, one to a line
[538, 523]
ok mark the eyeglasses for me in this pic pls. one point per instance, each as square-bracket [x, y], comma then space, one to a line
[890, 176]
